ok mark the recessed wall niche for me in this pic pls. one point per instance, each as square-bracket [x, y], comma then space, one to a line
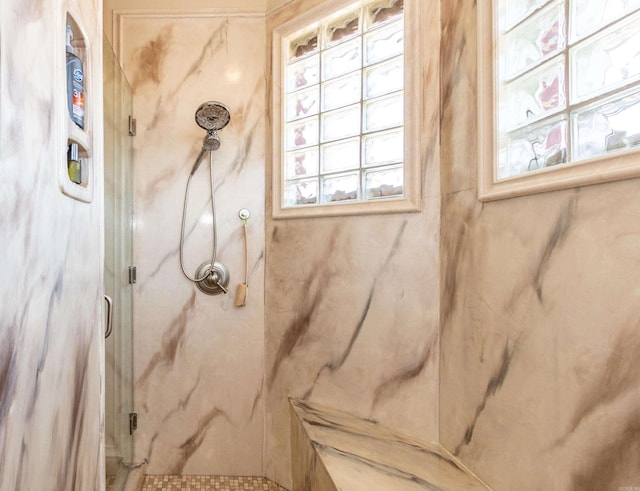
[75, 109]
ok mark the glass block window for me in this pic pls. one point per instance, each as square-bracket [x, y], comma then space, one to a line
[566, 82]
[343, 107]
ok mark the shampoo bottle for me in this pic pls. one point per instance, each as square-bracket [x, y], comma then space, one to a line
[75, 83]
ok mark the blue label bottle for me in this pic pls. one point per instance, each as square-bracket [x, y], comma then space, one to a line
[75, 83]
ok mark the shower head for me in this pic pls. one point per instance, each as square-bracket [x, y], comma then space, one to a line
[210, 143]
[212, 116]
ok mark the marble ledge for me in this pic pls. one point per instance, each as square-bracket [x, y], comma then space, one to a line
[333, 451]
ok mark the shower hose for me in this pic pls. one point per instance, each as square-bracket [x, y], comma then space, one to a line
[213, 214]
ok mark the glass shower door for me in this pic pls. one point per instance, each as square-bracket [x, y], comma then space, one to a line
[118, 218]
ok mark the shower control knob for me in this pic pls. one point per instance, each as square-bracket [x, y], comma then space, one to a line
[216, 280]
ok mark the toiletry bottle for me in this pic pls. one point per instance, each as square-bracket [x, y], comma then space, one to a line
[75, 83]
[73, 164]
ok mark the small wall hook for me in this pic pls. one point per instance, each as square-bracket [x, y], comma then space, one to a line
[244, 214]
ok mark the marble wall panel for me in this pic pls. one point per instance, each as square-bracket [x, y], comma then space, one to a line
[539, 370]
[198, 359]
[352, 303]
[51, 262]
[347, 323]
[213, 7]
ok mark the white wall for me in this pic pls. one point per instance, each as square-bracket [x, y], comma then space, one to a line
[51, 328]
[352, 303]
[136, 5]
[539, 372]
[198, 359]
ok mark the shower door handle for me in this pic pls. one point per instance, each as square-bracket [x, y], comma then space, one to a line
[107, 299]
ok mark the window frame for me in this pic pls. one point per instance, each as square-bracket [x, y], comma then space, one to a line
[413, 103]
[603, 168]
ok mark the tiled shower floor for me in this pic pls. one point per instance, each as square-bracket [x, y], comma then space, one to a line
[208, 483]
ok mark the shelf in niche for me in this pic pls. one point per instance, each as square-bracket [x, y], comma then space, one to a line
[79, 136]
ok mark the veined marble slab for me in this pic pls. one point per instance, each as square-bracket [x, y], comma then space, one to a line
[352, 304]
[539, 373]
[51, 293]
[199, 360]
[355, 454]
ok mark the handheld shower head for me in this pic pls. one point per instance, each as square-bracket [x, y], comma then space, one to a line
[210, 143]
[212, 116]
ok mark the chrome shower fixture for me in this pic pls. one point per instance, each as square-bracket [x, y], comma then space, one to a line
[212, 116]
[211, 277]
[211, 142]
[216, 278]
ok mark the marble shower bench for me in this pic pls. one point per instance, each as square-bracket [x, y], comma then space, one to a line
[336, 451]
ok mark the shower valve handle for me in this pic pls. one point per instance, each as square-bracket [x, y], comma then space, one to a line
[225, 290]
[215, 278]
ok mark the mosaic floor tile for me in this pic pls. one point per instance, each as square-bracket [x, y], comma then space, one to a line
[208, 483]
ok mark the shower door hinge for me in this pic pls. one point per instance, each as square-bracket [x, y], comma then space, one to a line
[132, 126]
[133, 422]
[133, 274]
